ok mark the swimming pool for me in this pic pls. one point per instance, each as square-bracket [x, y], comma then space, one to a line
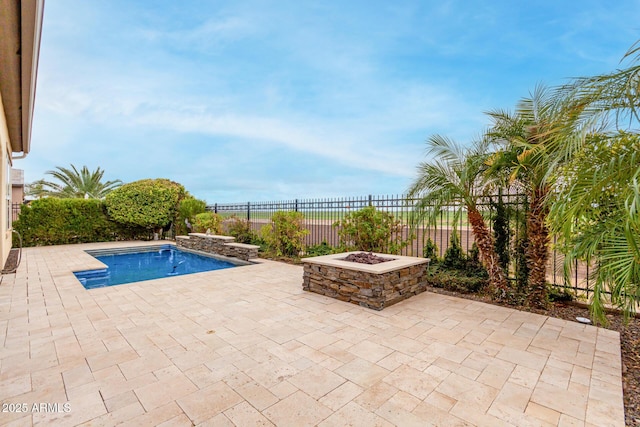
[139, 264]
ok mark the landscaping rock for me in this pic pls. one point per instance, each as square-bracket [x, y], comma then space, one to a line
[366, 258]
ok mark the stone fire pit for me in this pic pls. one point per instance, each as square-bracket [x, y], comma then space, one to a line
[373, 286]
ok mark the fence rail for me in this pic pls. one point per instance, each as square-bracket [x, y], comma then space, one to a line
[321, 214]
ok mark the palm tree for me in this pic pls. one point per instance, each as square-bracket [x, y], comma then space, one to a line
[74, 184]
[530, 138]
[597, 213]
[611, 98]
[604, 230]
[455, 178]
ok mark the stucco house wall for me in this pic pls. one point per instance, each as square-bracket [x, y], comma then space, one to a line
[5, 188]
[20, 32]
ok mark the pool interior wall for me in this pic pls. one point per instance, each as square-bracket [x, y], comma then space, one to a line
[129, 265]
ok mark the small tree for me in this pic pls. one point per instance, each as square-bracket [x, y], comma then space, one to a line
[454, 256]
[285, 235]
[501, 232]
[430, 251]
[457, 177]
[189, 208]
[207, 221]
[369, 229]
[239, 228]
[148, 203]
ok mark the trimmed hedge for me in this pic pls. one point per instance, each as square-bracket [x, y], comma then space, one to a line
[52, 221]
[149, 203]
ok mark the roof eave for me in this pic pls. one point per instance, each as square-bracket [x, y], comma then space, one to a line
[31, 31]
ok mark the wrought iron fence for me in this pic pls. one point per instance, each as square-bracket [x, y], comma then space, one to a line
[322, 214]
[15, 211]
[321, 217]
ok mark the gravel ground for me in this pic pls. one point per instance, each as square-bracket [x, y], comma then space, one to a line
[629, 346]
[12, 261]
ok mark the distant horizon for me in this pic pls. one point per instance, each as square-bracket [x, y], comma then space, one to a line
[272, 102]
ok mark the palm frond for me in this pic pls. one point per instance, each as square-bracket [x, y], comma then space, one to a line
[73, 183]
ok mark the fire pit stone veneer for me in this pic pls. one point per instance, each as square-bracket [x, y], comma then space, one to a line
[374, 286]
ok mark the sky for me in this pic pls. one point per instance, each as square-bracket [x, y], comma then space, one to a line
[276, 100]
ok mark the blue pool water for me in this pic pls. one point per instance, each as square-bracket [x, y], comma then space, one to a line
[139, 264]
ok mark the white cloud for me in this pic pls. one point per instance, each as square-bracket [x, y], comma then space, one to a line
[374, 140]
[206, 36]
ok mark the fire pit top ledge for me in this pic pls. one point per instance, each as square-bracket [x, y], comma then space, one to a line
[337, 260]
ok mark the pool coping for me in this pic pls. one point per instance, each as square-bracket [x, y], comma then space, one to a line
[150, 248]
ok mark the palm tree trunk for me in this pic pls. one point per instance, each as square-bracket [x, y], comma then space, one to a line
[498, 284]
[537, 250]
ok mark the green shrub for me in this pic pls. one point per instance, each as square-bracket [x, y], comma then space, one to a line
[189, 208]
[320, 249]
[369, 229]
[522, 269]
[456, 280]
[454, 256]
[474, 254]
[53, 221]
[501, 232]
[560, 294]
[474, 266]
[463, 266]
[240, 229]
[285, 235]
[431, 251]
[148, 203]
[259, 241]
[207, 221]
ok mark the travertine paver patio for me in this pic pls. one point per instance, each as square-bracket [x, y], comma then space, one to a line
[246, 346]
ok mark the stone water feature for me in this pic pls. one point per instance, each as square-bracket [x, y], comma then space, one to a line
[218, 245]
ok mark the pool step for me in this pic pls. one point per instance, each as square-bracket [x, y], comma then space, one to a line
[91, 279]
